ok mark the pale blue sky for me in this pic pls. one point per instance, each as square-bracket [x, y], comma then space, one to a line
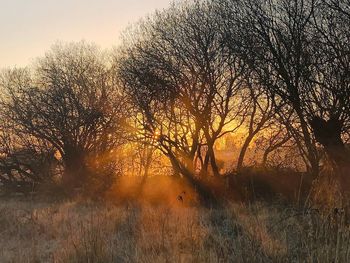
[29, 27]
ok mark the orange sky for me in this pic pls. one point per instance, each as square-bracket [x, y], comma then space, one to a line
[29, 27]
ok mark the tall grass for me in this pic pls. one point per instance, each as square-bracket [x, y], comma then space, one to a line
[88, 232]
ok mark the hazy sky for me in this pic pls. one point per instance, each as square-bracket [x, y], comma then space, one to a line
[29, 27]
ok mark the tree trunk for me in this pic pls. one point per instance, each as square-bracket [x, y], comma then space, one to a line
[205, 194]
[243, 152]
[200, 158]
[206, 164]
[213, 163]
[148, 162]
[311, 149]
[75, 170]
[328, 133]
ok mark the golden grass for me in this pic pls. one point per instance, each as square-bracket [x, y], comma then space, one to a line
[74, 231]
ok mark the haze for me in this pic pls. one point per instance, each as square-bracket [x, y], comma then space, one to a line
[29, 28]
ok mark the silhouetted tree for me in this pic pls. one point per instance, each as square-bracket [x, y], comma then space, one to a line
[299, 52]
[69, 100]
[329, 102]
[184, 83]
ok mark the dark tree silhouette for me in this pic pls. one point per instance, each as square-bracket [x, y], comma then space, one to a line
[272, 37]
[299, 51]
[184, 83]
[70, 101]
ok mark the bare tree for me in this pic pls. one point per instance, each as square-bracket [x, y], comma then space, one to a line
[184, 82]
[329, 101]
[272, 37]
[71, 102]
[299, 51]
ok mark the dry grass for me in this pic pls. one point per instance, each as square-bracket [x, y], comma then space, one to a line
[88, 232]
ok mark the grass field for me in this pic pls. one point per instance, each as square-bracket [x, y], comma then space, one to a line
[80, 231]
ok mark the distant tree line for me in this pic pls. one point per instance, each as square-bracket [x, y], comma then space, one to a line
[183, 79]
